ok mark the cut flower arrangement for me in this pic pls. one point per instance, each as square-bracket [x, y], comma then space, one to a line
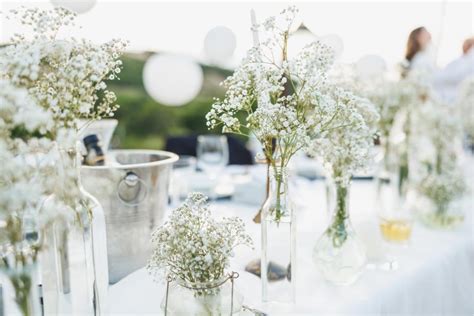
[192, 249]
[346, 150]
[66, 76]
[439, 176]
[279, 100]
[24, 181]
[48, 83]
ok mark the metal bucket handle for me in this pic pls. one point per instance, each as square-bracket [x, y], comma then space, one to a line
[129, 181]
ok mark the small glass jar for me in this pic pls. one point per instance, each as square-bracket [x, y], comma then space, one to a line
[218, 297]
[339, 254]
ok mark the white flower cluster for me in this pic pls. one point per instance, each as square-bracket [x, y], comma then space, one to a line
[347, 148]
[25, 154]
[390, 97]
[434, 147]
[194, 247]
[444, 187]
[275, 98]
[65, 76]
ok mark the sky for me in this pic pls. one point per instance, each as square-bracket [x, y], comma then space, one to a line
[365, 27]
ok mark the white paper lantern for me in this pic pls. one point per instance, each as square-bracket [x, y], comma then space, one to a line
[78, 6]
[171, 79]
[298, 40]
[219, 44]
[334, 41]
[370, 66]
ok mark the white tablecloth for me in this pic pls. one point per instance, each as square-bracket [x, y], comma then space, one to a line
[435, 274]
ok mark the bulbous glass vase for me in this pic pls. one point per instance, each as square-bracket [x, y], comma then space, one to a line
[339, 254]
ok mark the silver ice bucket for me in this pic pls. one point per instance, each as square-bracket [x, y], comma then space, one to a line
[133, 190]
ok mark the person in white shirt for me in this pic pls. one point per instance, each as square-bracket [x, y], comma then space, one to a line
[447, 82]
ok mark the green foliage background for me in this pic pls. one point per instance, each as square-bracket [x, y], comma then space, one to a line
[145, 123]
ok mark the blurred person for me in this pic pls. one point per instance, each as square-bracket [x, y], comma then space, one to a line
[418, 54]
[448, 81]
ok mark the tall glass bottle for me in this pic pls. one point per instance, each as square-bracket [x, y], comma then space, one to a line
[339, 254]
[278, 241]
[74, 264]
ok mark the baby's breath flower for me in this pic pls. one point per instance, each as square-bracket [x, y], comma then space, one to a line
[348, 148]
[25, 155]
[194, 247]
[277, 100]
[64, 76]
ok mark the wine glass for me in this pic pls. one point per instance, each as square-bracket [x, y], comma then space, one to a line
[212, 155]
[183, 170]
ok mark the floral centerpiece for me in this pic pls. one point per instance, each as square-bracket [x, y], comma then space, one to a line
[23, 184]
[344, 151]
[275, 98]
[66, 77]
[282, 102]
[394, 101]
[439, 177]
[390, 98]
[193, 249]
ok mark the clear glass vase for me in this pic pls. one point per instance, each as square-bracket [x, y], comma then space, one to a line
[447, 216]
[339, 254]
[74, 263]
[440, 203]
[278, 241]
[214, 298]
[19, 287]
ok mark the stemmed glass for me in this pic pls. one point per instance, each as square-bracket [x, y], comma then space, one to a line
[212, 153]
[393, 209]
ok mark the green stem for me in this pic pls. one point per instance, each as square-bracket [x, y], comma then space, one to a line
[403, 178]
[337, 230]
[278, 212]
[22, 284]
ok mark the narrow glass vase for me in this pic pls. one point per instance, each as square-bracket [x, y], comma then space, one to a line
[278, 242]
[74, 264]
[339, 254]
